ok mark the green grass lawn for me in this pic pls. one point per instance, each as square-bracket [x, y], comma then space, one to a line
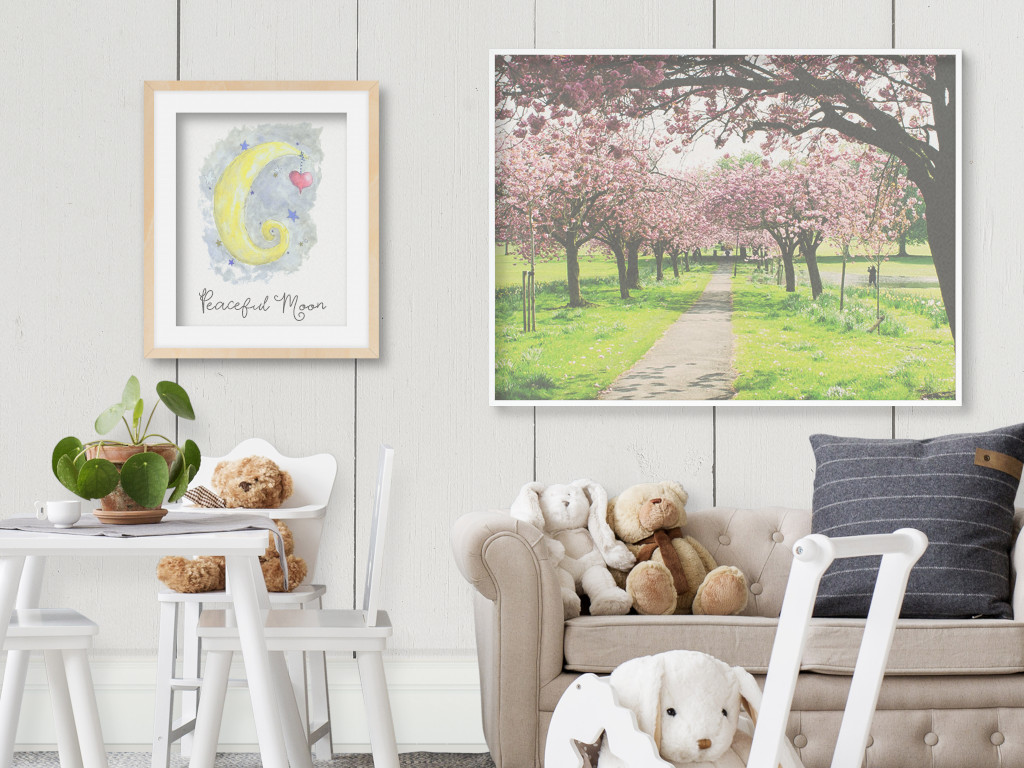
[508, 270]
[905, 266]
[575, 353]
[791, 348]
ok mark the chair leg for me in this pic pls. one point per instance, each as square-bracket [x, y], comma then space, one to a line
[319, 705]
[211, 709]
[164, 709]
[68, 750]
[83, 703]
[294, 734]
[15, 673]
[378, 709]
[296, 663]
[191, 654]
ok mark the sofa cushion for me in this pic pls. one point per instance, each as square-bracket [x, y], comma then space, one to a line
[958, 489]
[920, 646]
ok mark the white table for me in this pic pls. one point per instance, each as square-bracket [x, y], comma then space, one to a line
[22, 559]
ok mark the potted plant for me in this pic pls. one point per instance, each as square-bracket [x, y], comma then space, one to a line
[131, 477]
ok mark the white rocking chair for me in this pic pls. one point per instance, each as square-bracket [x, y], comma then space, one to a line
[589, 707]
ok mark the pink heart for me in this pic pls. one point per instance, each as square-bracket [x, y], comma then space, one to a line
[301, 180]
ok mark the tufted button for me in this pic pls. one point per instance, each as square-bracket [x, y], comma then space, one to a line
[931, 739]
[871, 740]
[777, 537]
[799, 741]
[724, 540]
[756, 589]
[997, 738]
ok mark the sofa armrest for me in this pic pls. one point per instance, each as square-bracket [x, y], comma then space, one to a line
[519, 628]
[1016, 569]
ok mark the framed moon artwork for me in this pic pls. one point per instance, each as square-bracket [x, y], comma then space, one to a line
[261, 219]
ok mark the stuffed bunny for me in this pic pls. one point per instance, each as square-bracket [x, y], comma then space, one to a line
[689, 703]
[579, 540]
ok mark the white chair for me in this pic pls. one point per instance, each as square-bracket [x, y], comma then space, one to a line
[363, 632]
[64, 637]
[304, 512]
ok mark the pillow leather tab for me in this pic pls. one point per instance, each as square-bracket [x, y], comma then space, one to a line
[999, 461]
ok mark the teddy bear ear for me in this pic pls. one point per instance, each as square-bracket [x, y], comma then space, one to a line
[637, 684]
[526, 507]
[286, 484]
[679, 492]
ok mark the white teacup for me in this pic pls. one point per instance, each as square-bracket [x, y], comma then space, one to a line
[63, 514]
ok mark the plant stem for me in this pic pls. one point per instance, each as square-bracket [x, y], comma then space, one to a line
[134, 438]
[150, 418]
[162, 437]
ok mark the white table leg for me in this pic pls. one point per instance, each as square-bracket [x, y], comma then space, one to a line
[378, 709]
[69, 752]
[211, 709]
[246, 586]
[83, 702]
[191, 657]
[163, 711]
[294, 734]
[17, 661]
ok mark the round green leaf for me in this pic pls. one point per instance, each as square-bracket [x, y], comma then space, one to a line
[193, 458]
[131, 393]
[69, 446]
[109, 419]
[175, 472]
[176, 399]
[97, 478]
[67, 474]
[144, 478]
[137, 413]
[181, 486]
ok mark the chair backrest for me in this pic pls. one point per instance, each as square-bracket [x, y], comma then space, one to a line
[378, 532]
[313, 480]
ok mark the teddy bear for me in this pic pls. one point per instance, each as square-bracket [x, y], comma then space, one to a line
[254, 482]
[206, 573]
[573, 520]
[674, 572]
[690, 704]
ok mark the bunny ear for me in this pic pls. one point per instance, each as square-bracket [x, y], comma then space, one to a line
[637, 685]
[597, 520]
[526, 507]
[750, 692]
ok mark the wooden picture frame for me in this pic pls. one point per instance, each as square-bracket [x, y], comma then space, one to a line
[274, 273]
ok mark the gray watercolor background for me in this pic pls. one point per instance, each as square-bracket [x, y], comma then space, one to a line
[272, 197]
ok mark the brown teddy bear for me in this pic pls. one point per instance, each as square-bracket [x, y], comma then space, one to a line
[674, 573]
[254, 482]
[206, 573]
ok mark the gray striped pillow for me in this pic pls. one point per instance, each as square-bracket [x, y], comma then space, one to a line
[958, 489]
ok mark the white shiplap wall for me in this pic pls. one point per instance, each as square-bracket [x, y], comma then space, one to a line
[70, 317]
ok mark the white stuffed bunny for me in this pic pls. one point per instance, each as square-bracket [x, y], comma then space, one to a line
[689, 703]
[574, 521]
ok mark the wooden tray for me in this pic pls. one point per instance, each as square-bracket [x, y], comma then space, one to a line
[135, 517]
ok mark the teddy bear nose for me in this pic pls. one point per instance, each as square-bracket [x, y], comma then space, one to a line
[704, 744]
[245, 486]
[565, 503]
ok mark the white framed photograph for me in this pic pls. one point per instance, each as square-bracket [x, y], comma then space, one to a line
[726, 227]
[261, 219]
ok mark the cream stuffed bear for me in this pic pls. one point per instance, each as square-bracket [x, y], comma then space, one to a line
[674, 572]
[689, 703]
[573, 520]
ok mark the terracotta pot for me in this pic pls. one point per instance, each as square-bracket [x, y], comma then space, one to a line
[118, 500]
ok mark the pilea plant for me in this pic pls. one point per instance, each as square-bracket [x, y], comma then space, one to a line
[133, 474]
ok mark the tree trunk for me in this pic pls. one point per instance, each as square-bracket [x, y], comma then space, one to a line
[787, 263]
[632, 264]
[842, 280]
[686, 260]
[659, 254]
[572, 268]
[940, 203]
[620, 262]
[903, 245]
[674, 256]
[810, 253]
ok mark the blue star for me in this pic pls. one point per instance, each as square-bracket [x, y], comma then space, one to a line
[231, 262]
[244, 144]
[292, 215]
[252, 191]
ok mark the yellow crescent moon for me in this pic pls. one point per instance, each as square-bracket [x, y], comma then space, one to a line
[231, 195]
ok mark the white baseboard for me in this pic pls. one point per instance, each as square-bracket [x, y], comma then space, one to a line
[435, 703]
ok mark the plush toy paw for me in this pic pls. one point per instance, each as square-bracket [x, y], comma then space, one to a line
[722, 593]
[274, 576]
[571, 605]
[651, 589]
[620, 558]
[203, 574]
[611, 602]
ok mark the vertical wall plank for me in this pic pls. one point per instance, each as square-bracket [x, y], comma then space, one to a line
[622, 446]
[993, 267]
[763, 453]
[427, 395]
[301, 406]
[71, 316]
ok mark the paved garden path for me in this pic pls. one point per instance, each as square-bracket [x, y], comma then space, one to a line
[693, 359]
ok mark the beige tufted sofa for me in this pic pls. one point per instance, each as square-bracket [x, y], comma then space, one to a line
[953, 698]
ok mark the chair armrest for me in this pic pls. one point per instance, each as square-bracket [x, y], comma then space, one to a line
[1016, 569]
[519, 628]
